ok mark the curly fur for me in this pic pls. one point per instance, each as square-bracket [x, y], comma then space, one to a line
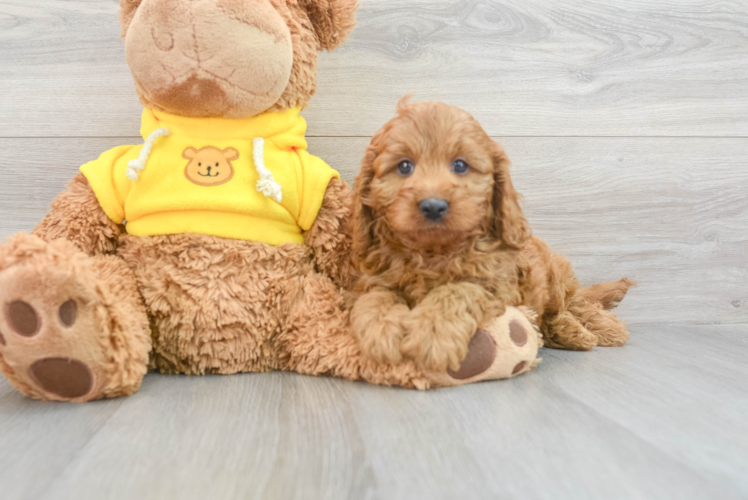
[457, 274]
[76, 216]
[329, 239]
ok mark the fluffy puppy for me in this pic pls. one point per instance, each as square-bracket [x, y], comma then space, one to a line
[443, 247]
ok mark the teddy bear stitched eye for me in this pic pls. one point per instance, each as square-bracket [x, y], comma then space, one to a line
[406, 167]
[460, 167]
[199, 164]
[217, 164]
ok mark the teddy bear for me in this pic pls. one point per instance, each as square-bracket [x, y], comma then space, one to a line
[216, 245]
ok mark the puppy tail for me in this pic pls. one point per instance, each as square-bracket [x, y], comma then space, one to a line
[609, 294]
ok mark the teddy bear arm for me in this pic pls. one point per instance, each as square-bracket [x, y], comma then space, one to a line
[77, 216]
[328, 238]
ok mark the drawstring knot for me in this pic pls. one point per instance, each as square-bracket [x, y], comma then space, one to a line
[267, 184]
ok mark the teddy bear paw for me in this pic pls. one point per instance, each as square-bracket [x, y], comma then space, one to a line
[505, 347]
[48, 346]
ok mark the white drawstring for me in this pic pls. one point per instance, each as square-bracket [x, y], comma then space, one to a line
[138, 164]
[267, 184]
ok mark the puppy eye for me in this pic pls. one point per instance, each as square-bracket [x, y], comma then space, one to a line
[460, 167]
[406, 167]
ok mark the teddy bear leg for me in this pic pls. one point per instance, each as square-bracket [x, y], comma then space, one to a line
[318, 340]
[505, 347]
[72, 327]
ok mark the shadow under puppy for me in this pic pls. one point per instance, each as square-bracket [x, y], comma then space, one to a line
[443, 247]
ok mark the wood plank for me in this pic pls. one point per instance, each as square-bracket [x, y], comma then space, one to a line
[669, 213]
[523, 68]
[35, 170]
[658, 418]
[654, 383]
[280, 436]
[37, 441]
[64, 70]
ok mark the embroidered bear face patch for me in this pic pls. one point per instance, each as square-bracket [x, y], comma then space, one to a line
[209, 166]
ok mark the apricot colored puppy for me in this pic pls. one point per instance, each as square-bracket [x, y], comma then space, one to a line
[444, 248]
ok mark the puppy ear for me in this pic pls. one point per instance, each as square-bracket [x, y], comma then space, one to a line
[403, 104]
[127, 10]
[508, 222]
[362, 229]
[333, 20]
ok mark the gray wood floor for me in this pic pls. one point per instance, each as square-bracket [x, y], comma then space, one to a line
[627, 122]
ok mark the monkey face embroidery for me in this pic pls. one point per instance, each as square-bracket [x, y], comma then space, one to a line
[209, 166]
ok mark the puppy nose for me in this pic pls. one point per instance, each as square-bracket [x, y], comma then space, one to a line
[434, 209]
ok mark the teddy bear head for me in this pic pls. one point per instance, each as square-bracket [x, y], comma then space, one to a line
[230, 58]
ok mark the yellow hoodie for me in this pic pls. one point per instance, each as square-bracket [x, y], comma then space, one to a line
[248, 179]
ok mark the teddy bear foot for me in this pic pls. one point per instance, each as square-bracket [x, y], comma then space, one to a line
[504, 348]
[60, 327]
[37, 349]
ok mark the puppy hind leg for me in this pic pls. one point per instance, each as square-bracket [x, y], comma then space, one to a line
[565, 331]
[591, 307]
[603, 324]
[578, 318]
[561, 329]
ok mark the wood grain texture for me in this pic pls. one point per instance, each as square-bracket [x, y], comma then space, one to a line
[573, 67]
[670, 213]
[659, 418]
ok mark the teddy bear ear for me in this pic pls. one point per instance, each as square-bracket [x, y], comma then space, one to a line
[333, 20]
[127, 10]
[189, 153]
[231, 154]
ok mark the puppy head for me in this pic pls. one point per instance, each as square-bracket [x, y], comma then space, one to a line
[432, 179]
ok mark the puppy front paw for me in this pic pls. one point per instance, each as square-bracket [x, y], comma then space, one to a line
[437, 342]
[440, 327]
[379, 330]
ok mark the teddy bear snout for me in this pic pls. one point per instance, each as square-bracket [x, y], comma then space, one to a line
[210, 57]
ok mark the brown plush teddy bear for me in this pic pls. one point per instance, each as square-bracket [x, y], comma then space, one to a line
[217, 244]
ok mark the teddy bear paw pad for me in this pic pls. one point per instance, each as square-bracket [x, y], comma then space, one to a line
[503, 348]
[480, 356]
[67, 378]
[517, 333]
[50, 335]
[63, 377]
[22, 318]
